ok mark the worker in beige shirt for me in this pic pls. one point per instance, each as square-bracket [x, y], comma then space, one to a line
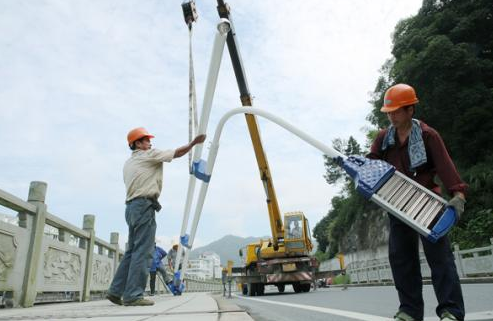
[143, 178]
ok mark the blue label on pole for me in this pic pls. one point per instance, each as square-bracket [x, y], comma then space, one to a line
[198, 169]
[184, 241]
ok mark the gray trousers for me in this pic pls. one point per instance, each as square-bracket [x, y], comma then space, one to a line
[152, 280]
[130, 279]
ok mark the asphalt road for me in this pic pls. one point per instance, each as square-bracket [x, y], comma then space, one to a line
[374, 303]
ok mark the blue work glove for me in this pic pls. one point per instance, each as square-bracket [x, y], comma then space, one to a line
[457, 203]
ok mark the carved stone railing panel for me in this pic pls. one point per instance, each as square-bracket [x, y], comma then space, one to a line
[13, 242]
[34, 266]
[63, 267]
[102, 272]
[8, 253]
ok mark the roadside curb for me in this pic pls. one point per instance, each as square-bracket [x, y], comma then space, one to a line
[229, 311]
[484, 279]
[479, 280]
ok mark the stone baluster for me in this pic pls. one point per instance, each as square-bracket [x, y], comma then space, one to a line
[116, 257]
[88, 226]
[36, 224]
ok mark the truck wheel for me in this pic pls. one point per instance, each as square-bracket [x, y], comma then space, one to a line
[260, 289]
[252, 289]
[297, 287]
[305, 287]
[280, 288]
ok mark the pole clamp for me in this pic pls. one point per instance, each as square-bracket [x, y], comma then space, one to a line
[189, 12]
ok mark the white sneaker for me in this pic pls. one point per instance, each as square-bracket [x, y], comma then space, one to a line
[448, 316]
[403, 316]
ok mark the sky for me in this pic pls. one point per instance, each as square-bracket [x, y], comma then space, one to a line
[76, 76]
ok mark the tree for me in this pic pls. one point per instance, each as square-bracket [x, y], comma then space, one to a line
[446, 53]
[334, 173]
[332, 228]
[320, 234]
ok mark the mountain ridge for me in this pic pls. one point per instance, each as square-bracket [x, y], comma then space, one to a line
[228, 246]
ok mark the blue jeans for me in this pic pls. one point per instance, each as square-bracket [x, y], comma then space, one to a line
[406, 270]
[130, 279]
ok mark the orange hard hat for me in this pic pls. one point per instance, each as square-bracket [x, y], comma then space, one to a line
[398, 96]
[136, 134]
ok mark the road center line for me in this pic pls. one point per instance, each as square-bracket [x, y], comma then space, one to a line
[343, 313]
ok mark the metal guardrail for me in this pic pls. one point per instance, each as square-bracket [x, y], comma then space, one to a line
[477, 262]
[213, 285]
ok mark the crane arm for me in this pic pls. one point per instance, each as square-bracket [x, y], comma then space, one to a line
[276, 223]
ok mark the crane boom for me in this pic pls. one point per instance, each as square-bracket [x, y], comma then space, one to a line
[276, 224]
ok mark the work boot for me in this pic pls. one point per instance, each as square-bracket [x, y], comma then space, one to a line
[447, 316]
[403, 316]
[114, 299]
[138, 302]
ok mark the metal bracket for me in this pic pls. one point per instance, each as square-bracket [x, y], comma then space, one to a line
[189, 12]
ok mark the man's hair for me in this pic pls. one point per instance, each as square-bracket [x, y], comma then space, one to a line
[409, 106]
[133, 147]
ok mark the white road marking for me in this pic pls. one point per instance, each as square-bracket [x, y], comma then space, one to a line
[343, 313]
[485, 315]
[474, 316]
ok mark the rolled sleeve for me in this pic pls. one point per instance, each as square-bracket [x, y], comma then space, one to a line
[445, 168]
[375, 149]
[159, 156]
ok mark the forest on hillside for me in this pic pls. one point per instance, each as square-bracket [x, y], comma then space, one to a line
[445, 52]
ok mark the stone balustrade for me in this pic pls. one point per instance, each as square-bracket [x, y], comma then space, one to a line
[45, 258]
[35, 265]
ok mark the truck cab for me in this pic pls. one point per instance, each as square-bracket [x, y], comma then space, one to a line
[297, 236]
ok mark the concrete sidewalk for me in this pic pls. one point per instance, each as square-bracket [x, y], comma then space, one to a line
[189, 306]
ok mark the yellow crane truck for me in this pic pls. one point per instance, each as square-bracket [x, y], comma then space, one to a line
[285, 258]
[291, 263]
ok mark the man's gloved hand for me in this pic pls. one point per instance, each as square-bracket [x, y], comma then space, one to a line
[457, 203]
